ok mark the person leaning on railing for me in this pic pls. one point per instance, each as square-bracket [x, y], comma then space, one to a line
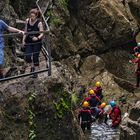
[3, 27]
[33, 42]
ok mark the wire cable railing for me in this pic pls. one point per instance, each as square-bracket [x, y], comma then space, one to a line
[25, 33]
[44, 50]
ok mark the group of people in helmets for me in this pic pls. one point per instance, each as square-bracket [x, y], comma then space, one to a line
[93, 109]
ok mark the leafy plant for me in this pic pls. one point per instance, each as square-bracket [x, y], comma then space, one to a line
[55, 19]
[61, 108]
[31, 117]
[74, 99]
[64, 3]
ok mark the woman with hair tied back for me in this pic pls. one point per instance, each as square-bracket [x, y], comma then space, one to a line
[33, 42]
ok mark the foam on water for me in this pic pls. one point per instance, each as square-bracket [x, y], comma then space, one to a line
[103, 132]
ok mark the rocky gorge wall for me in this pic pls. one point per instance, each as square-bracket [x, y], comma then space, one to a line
[130, 128]
[91, 40]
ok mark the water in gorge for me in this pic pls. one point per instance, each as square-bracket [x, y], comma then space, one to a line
[103, 132]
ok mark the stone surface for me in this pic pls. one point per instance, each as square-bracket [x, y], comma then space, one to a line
[91, 40]
[50, 122]
[131, 128]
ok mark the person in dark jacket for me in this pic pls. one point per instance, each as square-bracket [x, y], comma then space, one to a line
[93, 102]
[98, 90]
[115, 114]
[100, 112]
[92, 99]
[33, 42]
[85, 117]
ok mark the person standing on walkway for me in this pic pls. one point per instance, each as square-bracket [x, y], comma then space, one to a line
[3, 27]
[33, 42]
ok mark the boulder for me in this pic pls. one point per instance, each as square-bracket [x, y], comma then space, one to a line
[131, 128]
[111, 19]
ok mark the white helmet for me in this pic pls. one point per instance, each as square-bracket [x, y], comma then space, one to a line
[138, 44]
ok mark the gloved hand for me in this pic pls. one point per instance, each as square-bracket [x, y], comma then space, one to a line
[108, 116]
[93, 118]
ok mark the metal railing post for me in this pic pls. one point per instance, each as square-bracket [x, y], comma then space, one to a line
[48, 29]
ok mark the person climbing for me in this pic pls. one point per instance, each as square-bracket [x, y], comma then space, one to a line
[107, 110]
[3, 27]
[33, 42]
[92, 99]
[115, 114]
[137, 60]
[98, 90]
[136, 49]
[99, 111]
[85, 117]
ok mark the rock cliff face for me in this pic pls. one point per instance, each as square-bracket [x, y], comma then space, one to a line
[42, 106]
[91, 40]
[95, 38]
[130, 130]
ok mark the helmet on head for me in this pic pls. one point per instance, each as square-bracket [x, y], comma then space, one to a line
[138, 55]
[98, 84]
[85, 104]
[91, 92]
[138, 44]
[112, 103]
[103, 104]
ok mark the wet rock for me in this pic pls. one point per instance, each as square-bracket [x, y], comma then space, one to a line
[131, 129]
[128, 133]
[92, 66]
[100, 13]
[135, 112]
[135, 8]
[52, 108]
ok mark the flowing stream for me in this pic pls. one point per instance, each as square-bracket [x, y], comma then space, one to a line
[103, 132]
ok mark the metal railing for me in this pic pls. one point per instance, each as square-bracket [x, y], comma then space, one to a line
[43, 6]
[46, 51]
[46, 54]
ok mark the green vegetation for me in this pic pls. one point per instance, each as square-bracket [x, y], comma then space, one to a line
[63, 3]
[31, 117]
[63, 105]
[74, 99]
[55, 19]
